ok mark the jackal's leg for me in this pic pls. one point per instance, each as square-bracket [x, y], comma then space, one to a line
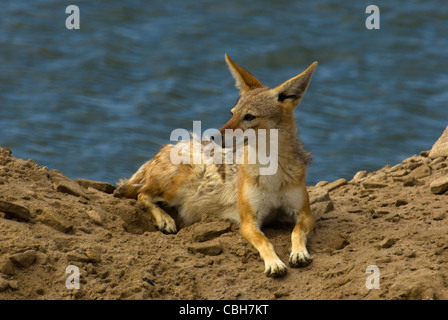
[274, 267]
[250, 230]
[305, 225]
[163, 220]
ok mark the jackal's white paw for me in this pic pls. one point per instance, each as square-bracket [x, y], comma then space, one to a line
[275, 268]
[300, 259]
[166, 224]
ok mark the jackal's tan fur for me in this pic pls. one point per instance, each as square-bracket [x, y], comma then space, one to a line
[238, 191]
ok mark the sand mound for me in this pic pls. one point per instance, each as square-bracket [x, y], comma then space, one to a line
[394, 218]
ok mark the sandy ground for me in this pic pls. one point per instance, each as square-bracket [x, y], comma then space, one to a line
[394, 219]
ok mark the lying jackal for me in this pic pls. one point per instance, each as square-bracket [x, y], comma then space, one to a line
[238, 191]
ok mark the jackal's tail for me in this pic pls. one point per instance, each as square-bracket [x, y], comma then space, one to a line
[127, 188]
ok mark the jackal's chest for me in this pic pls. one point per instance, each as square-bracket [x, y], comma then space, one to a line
[271, 204]
[285, 198]
[277, 191]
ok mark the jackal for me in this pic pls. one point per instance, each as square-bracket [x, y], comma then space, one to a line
[238, 191]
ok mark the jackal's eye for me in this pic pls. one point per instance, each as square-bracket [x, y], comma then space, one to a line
[249, 117]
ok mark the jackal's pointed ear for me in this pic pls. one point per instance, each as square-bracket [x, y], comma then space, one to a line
[243, 79]
[291, 92]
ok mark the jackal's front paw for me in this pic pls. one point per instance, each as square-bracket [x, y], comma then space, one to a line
[275, 268]
[300, 259]
[166, 224]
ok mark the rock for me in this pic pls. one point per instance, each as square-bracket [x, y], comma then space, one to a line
[421, 172]
[396, 168]
[7, 267]
[440, 216]
[414, 159]
[94, 255]
[375, 214]
[56, 221]
[41, 258]
[441, 165]
[425, 153]
[371, 184]
[95, 217]
[359, 176]
[335, 184]
[64, 188]
[439, 185]
[280, 293]
[210, 230]
[335, 241]
[363, 193]
[341, 244]
[440, 148]
[400, 202]
[411, 182]
[15, 211]
[4, 285]
[355, 210]
[24, 259]
[321, 183]
[318, 194]
[5, 152]
[319, 208]
[378, 176]
[57, 176]
[209, 248]
[100, 186]
[399, 173]
[437, 161]
[14, 284]
[394, 218]
[413, 165]
[40, 291]
[65, 184]
[74, 256]
[388, 242]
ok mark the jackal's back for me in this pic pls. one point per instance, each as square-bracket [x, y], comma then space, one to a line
[194, 189]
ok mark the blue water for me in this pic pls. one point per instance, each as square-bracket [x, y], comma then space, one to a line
[97, 102]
